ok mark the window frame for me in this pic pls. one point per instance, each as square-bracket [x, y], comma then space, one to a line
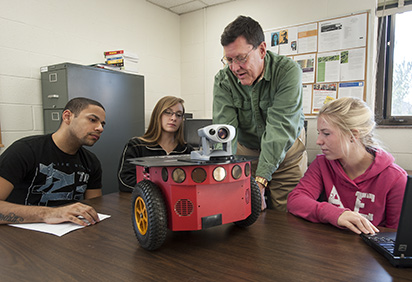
[384, 74]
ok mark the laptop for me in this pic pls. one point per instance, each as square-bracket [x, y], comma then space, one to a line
[397, 246]
[190, 130]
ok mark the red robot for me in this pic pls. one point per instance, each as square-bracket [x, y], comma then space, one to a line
[208, 188]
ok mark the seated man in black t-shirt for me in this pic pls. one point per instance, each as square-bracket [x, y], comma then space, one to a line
[43, 177]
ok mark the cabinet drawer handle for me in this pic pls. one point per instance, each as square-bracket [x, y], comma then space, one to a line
[53, 96]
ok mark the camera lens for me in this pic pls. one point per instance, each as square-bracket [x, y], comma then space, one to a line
[222, 133]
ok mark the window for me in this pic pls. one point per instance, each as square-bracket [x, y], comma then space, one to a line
[394, 75]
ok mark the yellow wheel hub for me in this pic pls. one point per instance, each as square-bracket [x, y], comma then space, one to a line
[140, 215]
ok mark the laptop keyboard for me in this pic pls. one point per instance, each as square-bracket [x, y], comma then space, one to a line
[385, 242]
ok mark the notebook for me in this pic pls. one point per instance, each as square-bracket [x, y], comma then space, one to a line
[397, 246]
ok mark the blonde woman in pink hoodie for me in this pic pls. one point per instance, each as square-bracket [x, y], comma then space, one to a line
[354, 184]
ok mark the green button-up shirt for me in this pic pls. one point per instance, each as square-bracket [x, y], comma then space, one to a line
[268, 115]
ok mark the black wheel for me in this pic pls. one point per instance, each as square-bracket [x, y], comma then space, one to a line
[256, 201]
[149, 216]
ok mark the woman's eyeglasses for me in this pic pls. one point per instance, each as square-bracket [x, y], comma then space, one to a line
[170, 113]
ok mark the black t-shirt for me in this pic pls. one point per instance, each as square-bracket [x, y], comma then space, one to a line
[44, 175]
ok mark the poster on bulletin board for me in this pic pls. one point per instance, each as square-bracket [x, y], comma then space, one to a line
[332, 54]
[343, 33]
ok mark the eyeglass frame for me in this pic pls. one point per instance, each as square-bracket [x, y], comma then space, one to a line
[170, 113]
[235, 60]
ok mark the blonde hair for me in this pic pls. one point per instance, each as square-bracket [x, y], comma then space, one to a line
[350, 114]
[154, 131]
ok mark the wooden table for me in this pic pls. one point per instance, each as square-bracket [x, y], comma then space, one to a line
[278, 247]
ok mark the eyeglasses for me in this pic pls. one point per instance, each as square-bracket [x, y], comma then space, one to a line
[170, 113]
[238, 60]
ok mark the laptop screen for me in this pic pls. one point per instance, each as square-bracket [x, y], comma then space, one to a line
[190, 130]
[404, 233]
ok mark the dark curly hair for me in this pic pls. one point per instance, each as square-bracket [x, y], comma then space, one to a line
[76, 105]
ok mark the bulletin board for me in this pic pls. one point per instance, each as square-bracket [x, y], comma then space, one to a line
[332, 54]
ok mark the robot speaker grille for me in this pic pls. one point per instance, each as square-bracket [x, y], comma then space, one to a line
[184, 207]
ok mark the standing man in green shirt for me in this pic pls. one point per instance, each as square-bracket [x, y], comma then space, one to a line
[260, 94]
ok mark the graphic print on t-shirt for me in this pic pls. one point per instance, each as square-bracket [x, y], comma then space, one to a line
[359, 204]
[360, 201]
[55, 181]
[334, 198]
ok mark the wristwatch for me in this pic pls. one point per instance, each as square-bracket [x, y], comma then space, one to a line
[261, 180]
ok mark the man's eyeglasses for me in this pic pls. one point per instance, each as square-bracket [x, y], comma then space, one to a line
[170, 113]
[238, 60]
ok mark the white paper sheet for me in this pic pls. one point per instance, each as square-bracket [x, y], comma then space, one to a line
[351, 89]
[328, 67]
[352, 64]
[308, 38]
[55, 229]
[321, 93]
[307, 63]
[307, 98]
[288, 40]
[342, 33]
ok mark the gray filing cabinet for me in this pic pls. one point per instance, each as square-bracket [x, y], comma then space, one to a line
[122, 95]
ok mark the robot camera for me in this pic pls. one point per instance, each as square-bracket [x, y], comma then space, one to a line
[215, 134]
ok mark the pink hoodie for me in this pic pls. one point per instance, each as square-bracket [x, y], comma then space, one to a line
[377, 193]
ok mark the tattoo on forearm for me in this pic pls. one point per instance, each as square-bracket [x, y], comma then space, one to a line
[11, 217]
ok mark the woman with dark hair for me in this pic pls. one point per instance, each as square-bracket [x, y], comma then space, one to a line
[164, 136]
